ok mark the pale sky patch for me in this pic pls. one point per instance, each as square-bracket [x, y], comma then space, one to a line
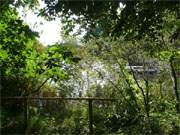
[49, 31]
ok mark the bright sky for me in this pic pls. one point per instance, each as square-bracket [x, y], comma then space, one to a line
[49, 31]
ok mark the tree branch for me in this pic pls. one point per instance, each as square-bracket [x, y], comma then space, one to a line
[38, 89]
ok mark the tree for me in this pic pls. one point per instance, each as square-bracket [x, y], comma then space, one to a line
[135, 19]
[26, 68]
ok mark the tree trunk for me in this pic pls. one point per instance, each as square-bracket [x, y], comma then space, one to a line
[175, 84]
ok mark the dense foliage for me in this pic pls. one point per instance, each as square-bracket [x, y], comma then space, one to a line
[131, 53]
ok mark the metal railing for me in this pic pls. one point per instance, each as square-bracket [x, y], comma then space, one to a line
[88, 99]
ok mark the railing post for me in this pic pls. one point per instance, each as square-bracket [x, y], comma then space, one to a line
[25, 113]
[90, 117]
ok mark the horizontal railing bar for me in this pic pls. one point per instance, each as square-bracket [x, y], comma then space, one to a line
[59, 98]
